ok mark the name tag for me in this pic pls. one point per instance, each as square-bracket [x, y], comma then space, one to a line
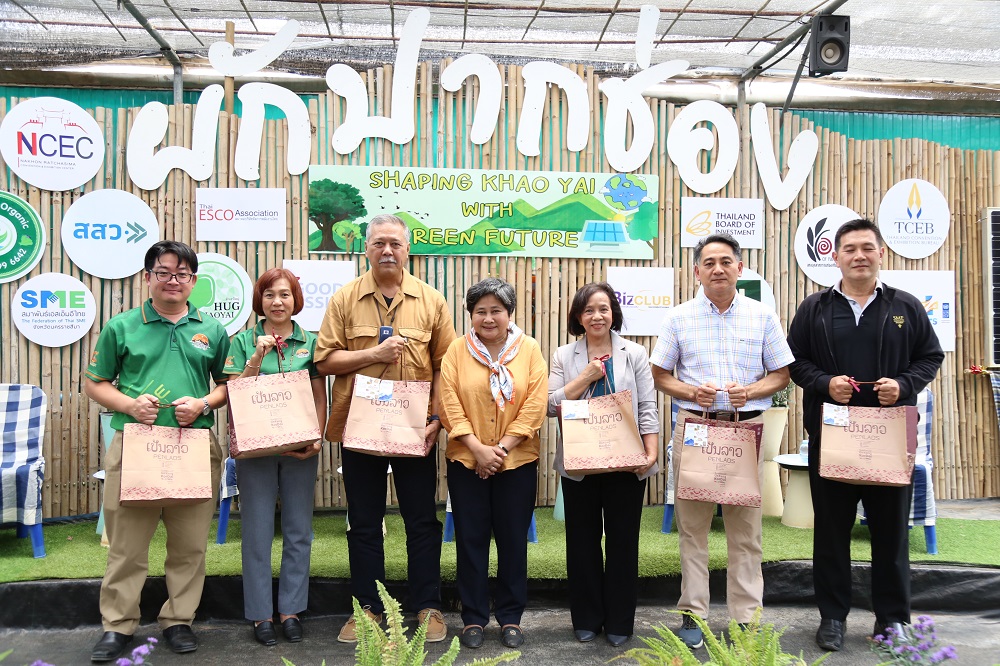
[575, 409]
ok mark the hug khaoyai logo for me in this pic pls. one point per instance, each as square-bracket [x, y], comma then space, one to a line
[819, 246]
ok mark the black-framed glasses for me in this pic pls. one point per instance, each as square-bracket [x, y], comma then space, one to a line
[164, 276]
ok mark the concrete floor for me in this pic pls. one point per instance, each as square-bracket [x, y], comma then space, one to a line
[549, 640]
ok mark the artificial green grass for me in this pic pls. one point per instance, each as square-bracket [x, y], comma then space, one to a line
[74, 549]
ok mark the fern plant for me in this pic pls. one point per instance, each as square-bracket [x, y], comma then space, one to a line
[377, 647]
[755, 644]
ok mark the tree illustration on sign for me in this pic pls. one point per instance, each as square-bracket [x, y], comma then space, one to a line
[332, 208]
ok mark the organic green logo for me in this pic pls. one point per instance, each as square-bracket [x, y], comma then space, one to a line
[22, 237]
[221, 292]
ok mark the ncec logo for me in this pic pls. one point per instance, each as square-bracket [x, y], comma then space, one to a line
[52, 143]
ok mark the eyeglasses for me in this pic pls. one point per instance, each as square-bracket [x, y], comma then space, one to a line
[164, 276]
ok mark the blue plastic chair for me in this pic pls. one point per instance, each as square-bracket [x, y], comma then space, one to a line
[22, 466]
[227, 491]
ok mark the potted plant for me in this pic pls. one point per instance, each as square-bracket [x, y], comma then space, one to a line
[775, 420]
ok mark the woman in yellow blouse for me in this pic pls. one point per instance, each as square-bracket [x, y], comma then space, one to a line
[492, 424]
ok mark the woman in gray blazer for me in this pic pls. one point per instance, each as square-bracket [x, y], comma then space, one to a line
[603, 585]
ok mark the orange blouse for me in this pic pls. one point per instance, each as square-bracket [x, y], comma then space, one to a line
[467, 405]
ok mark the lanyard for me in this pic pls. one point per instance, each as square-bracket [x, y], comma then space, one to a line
[392, 321]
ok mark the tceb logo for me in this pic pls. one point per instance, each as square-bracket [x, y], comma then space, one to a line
[914, 218]
[107, 232]
[50, 300]
[53, 309]
[52, 143]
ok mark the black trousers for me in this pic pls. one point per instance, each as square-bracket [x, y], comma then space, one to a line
[835, 505]
[502, 506]
[416, 487]
[603, 584]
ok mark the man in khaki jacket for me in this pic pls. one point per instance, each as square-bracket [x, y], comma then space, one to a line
[354, 339]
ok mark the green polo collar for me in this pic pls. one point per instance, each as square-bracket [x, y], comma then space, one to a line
[297, 334]
[150, 315]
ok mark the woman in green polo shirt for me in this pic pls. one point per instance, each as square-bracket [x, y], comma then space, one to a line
[290, 475]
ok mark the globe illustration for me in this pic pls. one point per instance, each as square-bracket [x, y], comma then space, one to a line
[624, 192]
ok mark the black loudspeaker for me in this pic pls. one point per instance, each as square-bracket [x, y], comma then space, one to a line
[829, 42]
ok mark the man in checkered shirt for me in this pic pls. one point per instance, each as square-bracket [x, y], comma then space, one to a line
[723, 354]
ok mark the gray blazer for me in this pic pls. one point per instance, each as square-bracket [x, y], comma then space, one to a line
[630, 364]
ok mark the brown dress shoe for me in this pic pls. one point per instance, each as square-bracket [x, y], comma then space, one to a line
[437, 630]
[349, 632]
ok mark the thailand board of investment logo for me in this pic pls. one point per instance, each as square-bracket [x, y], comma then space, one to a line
[22, 237]
[819, 242]
[700, 224]
[52, 143]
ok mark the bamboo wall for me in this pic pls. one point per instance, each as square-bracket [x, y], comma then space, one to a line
[851, 172]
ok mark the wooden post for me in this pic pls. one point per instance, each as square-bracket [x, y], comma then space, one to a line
[230, 83]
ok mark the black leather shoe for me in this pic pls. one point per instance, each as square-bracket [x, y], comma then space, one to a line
[110, 647]
[585, 636]
[617, 640]
[292, 629]
[511, 636]
[472, 637]
[830, 635]
[181, 639]
[265, 634]
[898, 633]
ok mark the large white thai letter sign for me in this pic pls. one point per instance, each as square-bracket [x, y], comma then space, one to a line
[149, 165]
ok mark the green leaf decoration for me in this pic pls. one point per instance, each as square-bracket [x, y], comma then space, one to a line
[26, 240]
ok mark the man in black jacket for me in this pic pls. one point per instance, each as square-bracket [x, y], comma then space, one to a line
[860, 343]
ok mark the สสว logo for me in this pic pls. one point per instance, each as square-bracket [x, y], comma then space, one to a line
[107, 233]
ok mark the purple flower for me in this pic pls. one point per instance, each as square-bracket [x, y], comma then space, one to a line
[124, 661]
[142, 650]
[39, 662]
[152, 641]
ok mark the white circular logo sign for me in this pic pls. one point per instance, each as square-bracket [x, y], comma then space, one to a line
[914, 218]
[53, 309]
[223, 291]
[52, 143]
[22, 237]
[814, 242]
[107, 233]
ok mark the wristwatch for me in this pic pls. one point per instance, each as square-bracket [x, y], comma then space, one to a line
[433, 417]
[208, 408]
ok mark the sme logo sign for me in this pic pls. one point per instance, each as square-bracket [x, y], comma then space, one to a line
[52, 143]
[53, 309]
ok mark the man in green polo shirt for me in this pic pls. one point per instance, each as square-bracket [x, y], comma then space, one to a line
[164, 355]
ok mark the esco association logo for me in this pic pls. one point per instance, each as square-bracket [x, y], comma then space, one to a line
[819, 246]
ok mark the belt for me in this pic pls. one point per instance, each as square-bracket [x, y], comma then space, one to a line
[731, 416]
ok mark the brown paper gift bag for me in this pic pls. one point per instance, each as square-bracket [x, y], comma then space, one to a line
[164, 466]
[874, 446]
[383, 425]
[607, 440]
[269, 414]
[719, 463]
